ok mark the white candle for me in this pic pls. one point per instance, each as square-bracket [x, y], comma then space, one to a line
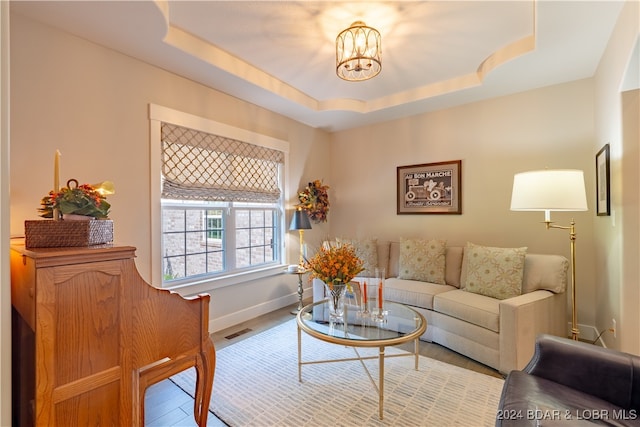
[56, 180]
[56, 172]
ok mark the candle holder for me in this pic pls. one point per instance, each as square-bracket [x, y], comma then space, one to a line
[365, 286]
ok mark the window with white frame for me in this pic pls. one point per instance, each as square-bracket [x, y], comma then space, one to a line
[221, 204]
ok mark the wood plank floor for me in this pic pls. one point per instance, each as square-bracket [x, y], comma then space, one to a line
[168, 405]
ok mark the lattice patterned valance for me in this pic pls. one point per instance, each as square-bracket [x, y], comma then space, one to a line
[200, 166]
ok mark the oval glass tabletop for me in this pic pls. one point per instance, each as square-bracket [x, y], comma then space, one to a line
[399, 324]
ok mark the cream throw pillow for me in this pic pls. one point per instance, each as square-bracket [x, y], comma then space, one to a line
[422, 260]
[367, 251]
[493, 272]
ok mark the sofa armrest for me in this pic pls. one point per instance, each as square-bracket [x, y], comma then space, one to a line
[608, 374]
[522, 319]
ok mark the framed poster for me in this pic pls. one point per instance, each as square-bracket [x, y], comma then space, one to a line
[430, 188]
[603, 199]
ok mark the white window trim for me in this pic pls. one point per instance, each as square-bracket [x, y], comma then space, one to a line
[159, 114]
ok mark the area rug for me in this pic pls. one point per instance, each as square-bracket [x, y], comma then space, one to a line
[256, 384]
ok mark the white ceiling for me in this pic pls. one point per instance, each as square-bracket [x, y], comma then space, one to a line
[281, 54]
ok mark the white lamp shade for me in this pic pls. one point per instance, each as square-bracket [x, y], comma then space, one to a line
[549, 190]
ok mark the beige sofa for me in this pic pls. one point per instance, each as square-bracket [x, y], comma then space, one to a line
[499, 333]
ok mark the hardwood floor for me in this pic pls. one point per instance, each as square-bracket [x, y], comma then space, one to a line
[168, 405]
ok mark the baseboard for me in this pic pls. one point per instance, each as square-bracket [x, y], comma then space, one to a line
[223, 322]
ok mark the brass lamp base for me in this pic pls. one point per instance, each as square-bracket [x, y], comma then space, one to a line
[572, 238]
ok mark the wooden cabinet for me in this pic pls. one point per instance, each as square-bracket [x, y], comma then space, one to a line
[90, 335]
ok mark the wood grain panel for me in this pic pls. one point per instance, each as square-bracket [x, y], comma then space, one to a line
[102, 335]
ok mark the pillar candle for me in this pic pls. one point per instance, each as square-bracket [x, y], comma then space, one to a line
[56, 180]
[364, 295]
[56, 172]
[380, 295]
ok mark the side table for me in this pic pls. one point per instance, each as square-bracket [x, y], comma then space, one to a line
[300, 272]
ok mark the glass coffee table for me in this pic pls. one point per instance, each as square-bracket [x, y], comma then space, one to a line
[400, 324]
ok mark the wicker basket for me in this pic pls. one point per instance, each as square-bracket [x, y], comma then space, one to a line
[57, 234]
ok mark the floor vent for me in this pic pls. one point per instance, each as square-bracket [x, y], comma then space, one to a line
[237, 334]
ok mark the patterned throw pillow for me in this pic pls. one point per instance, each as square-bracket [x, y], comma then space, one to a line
[422, 260]
[493, 272]
[367, 251]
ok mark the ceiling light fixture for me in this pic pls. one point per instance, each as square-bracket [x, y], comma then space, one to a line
[358, 52]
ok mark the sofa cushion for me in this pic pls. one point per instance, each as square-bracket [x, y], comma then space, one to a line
[367, 251]
[452, 269]
[473, 308]
[383, 255]
[494, 272]
[422, 259]
[413, 292]
[547, 272]
[453, 265]
[394, 259]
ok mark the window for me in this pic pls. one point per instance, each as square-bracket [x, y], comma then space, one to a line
[195, 238]
[222, 205]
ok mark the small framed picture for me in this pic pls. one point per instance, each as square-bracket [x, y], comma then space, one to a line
[603, 188]
[430, 188]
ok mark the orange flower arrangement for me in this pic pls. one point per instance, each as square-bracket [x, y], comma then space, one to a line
[335, 263]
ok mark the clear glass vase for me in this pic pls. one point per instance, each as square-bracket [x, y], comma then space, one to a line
[336, 293]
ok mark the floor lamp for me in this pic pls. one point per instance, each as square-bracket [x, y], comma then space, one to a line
[300, 221]
[553, 190]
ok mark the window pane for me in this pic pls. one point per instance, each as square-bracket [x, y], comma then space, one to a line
[243, 238]
[174, 244]
[257, 255]
[173, 268]
[243, 258]
[215, 262]
[195, 242]
[257, 236]
[194, 220]
[257, 218]
[242, 219]
[196, 264]
[173, 220]
[214, 225]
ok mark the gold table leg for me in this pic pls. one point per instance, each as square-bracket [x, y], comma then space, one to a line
[299, 355]
[381, 383]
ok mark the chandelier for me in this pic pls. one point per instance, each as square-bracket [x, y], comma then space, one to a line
[358, 50]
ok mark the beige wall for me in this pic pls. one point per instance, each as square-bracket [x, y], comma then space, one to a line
[616, 236]
[550, 127]
[91, 103]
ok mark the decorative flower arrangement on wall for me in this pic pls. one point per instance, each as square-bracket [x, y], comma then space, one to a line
[315, 200]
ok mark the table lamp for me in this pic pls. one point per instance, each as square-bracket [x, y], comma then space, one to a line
[553, 190]
[300, 221]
